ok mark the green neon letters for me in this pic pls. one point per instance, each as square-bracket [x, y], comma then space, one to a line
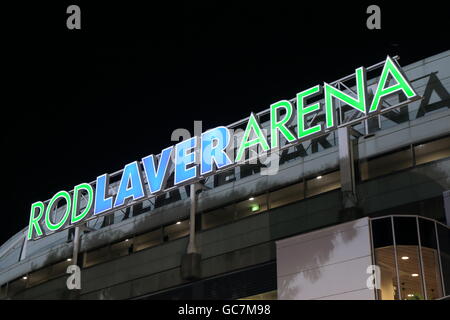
[200, 156]
[302, 111]
[76, 199]
[358, 104]
[60, 195]
[391, 68]
[252, 126]
[34, 221]
[280, 125]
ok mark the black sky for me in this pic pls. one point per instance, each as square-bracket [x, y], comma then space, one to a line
[78, 104]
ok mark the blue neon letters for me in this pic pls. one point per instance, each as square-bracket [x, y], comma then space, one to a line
[156, 177]
[130, 185]
[185, 156]
[211, 153]
[198, 157]
[102, 204]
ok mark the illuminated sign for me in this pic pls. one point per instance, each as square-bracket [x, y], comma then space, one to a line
[198, 157]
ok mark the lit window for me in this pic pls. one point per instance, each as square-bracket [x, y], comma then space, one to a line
[248, 207]
[218, 217]
[432, 151]
[147, 240]
[327, 182]
[385, 164]
[176, 230]
[287, 195]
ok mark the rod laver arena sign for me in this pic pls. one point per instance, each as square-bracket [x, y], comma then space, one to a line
[198, 157]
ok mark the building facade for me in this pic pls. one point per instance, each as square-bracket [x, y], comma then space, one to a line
[371, 198]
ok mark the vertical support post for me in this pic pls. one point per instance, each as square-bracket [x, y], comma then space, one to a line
[23, 254]
[76, 245]
[446, 197]
[397, 272]
[191, 261]
[421, 265]
[192, 248]
[346, 169]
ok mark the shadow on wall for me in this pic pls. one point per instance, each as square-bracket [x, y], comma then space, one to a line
[310, 263]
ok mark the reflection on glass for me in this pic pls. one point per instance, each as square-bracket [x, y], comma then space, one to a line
[147, 240]
[430, 258]
[323, 183]
[412, 263]
[409, 272]
[382, 232]
[408, 259]
[177, 230]
[432, 151]
[251, 206]
[286, 195]
[385, 164]
[385, 259]
[432, 273]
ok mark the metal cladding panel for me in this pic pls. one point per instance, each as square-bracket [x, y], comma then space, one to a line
[329, 262]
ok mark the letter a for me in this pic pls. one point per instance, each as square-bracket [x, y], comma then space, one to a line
[74, 20]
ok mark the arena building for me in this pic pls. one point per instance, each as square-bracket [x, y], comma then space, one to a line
[360, 211]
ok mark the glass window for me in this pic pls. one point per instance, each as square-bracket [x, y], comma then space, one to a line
[323, 183]
[286, 195]
[176, 230]
[3, 291]
[17, 286]
[408, 258]
[107, 220]
[427, 233]
[409, 272]
[147, 240]
[432, 273]
[97, 256]
[121, 248]
[60, 268]
[250, 206]
[40, 276]
[385, 258]
[224, 178]
[444, 246]
[218, 217]
[249, 169]
[47, 273]
[432, 151]
[430, 258]
[382, 232]
[385, 164]
[410, 261]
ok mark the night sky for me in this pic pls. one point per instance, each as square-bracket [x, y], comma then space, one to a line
[80, 103]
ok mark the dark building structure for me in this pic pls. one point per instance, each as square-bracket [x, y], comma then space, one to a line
[373, 197]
